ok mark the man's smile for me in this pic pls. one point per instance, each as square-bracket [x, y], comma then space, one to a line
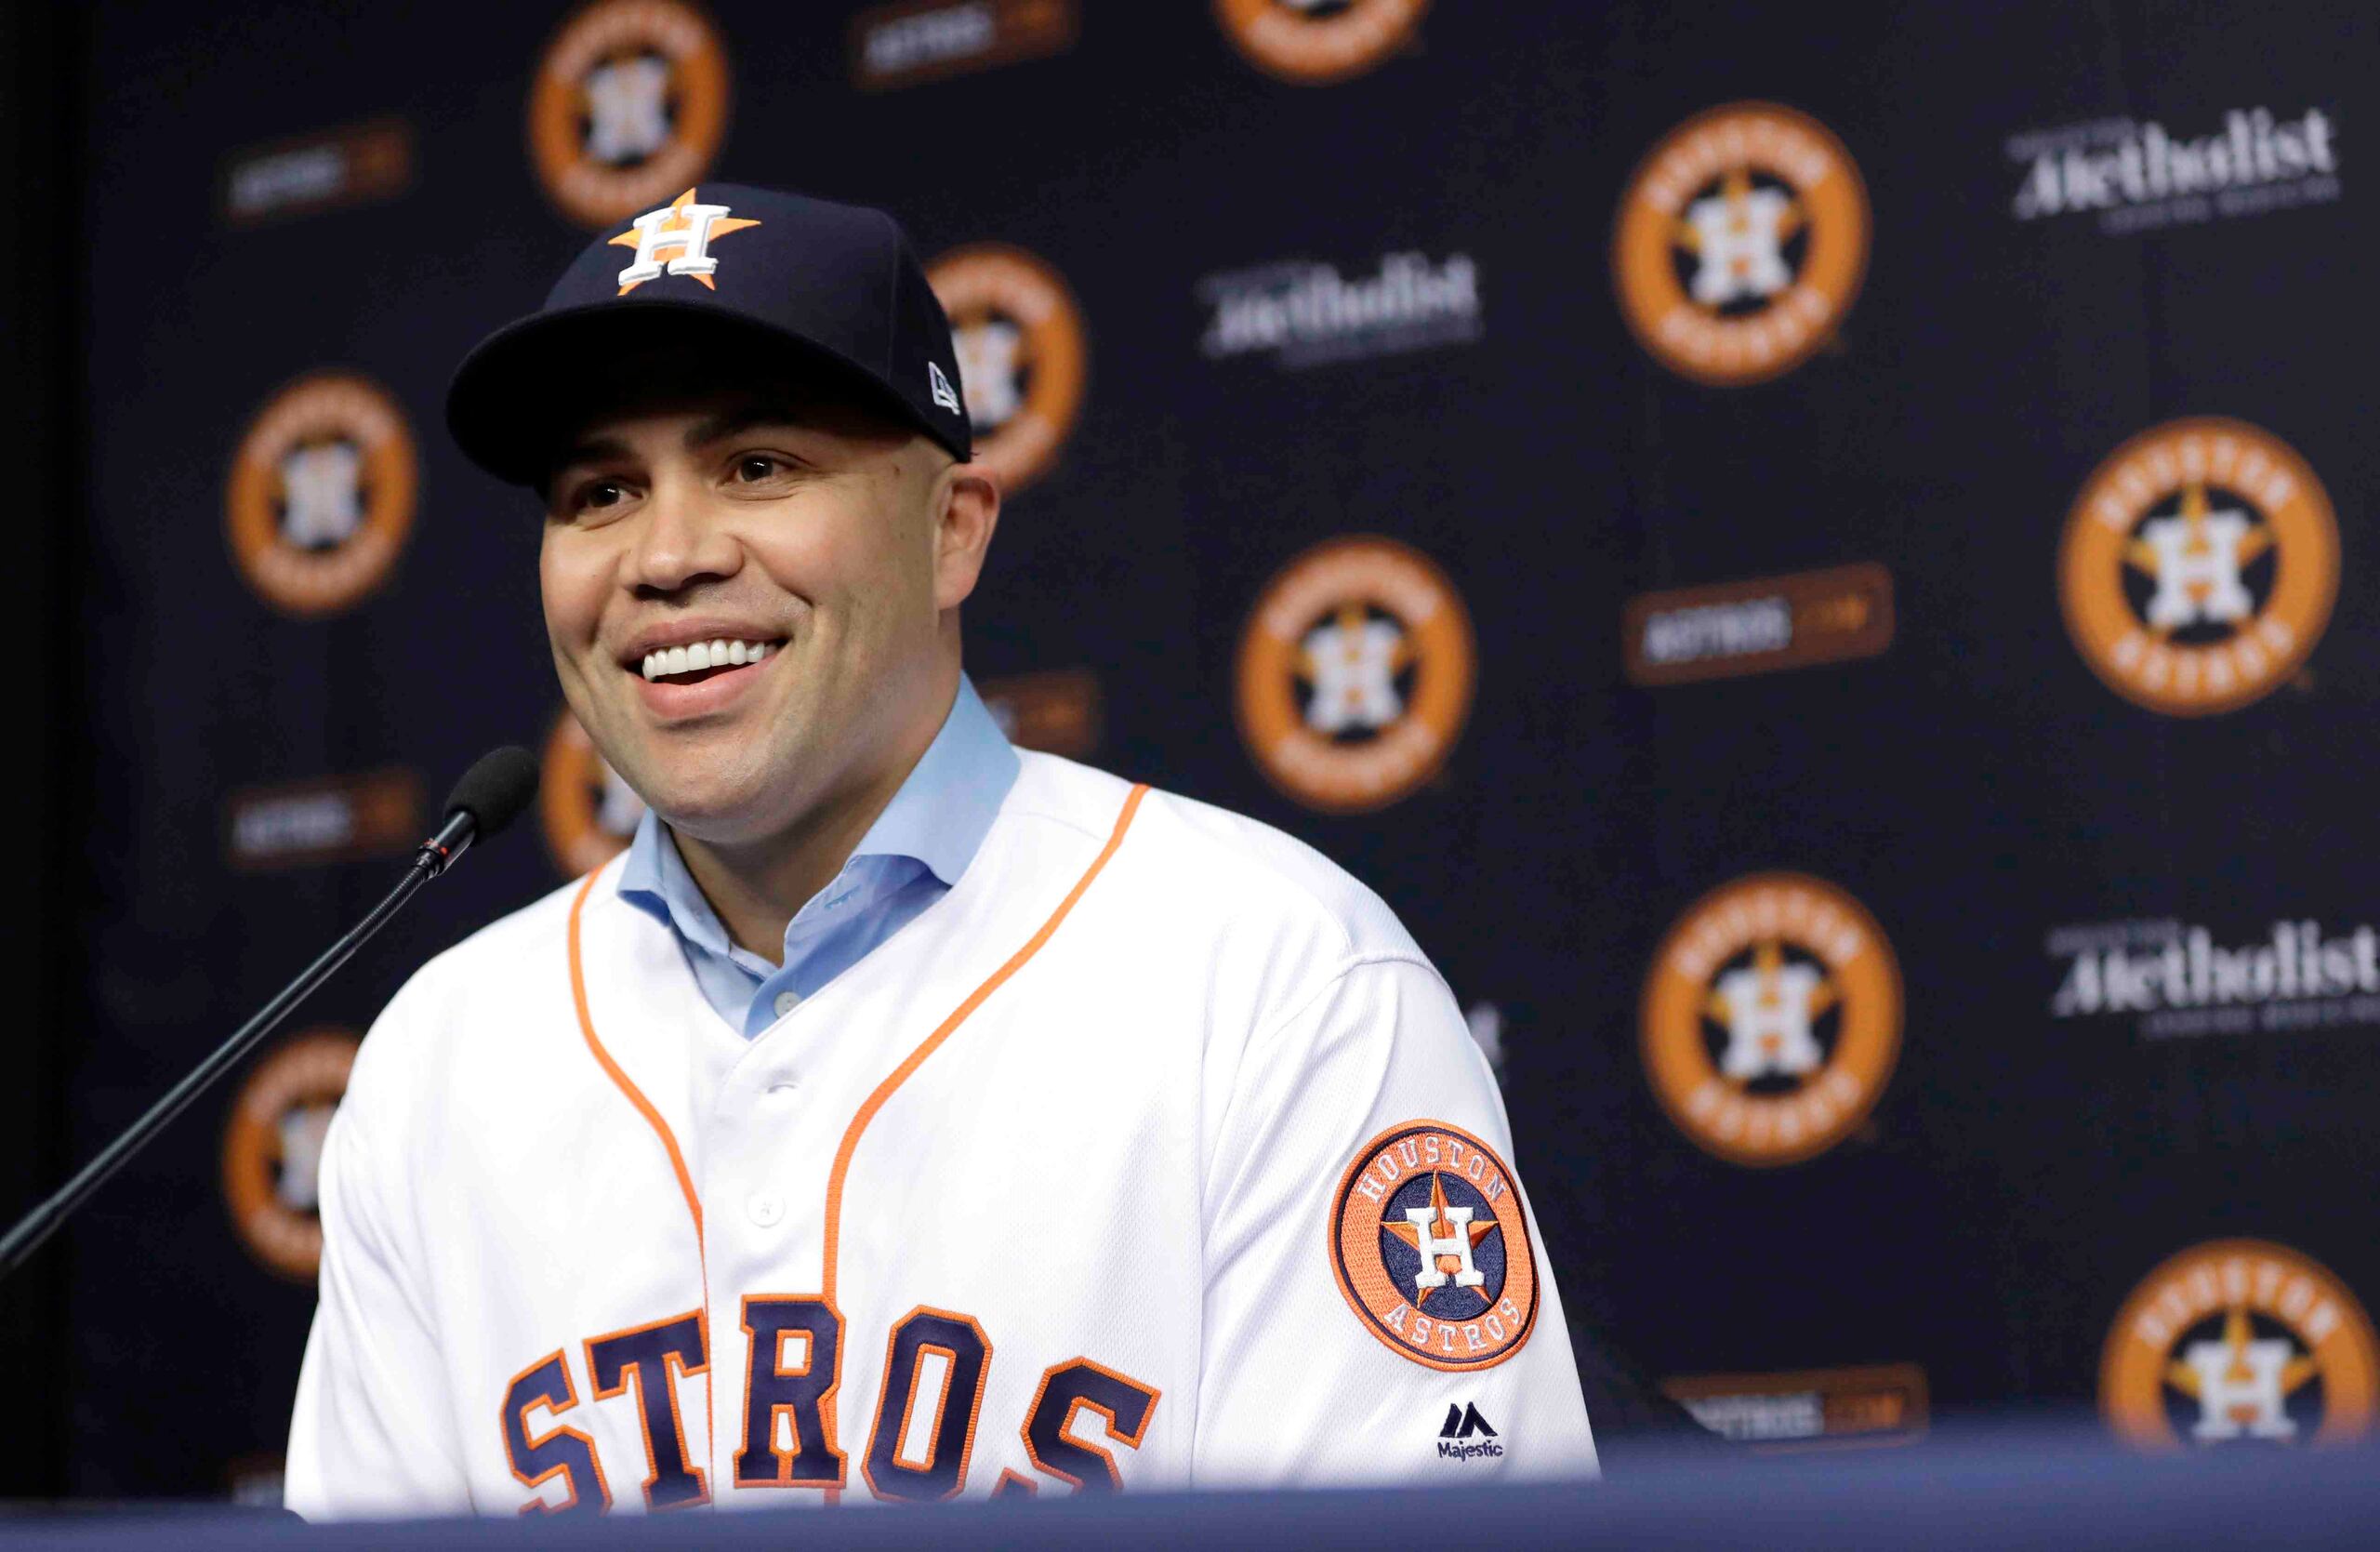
[697, 667]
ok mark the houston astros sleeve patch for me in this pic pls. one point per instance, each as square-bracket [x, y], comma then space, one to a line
[1428, 1245]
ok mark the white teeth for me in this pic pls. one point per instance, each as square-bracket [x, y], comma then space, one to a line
[669, 662]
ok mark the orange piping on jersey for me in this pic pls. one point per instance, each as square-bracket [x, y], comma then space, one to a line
[669, 1142]
[933, 1042]
[612, 1068]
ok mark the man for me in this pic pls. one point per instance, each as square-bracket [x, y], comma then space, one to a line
[902, 1115]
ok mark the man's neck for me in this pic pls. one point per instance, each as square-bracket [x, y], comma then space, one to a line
[758, 887]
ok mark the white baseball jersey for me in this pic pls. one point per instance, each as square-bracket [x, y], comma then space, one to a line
[1154, 1154]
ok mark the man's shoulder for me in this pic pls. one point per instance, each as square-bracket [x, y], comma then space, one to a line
[498, 950]
[1206, 861]
[524, 952]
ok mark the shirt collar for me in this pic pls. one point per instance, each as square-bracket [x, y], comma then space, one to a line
[939, 816]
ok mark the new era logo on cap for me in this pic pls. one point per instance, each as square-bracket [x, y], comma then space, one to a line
[944, 394]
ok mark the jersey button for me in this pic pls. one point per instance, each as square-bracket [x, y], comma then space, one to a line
[788, 1001]
[766, 1209]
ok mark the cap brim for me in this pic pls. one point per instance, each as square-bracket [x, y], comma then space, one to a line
[530, 386]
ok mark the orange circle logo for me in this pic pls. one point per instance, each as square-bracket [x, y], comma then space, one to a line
[591, 814]
[1772, 1019]
[321, 495]
[1431, 1247]
[2240, 1341]
[1313, 43]
[272, 1148]
[2199, 566]
[1355, 674]
[1741, 244]
[629, 105]
[1021, 359]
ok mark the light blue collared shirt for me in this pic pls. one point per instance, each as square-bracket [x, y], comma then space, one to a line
[909, 859]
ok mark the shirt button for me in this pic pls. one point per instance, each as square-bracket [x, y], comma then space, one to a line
[788, 1001]
[766, 1209]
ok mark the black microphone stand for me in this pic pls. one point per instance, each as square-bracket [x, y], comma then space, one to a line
[436, 855]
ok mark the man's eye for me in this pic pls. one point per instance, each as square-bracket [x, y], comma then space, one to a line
[753, 468]
[603, 492]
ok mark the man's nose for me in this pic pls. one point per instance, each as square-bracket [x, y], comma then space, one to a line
[681, 543]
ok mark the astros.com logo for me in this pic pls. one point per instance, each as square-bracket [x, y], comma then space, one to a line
[321, 495]
[1741, 244]
[1771, 1019]
[2199, 566]
[628, 106]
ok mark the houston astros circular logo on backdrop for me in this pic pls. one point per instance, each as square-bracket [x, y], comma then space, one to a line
[321, 495]
[1741, 244]
[1431, 1249]
[591, 814]
[272, 1148]
[1021, 355]
[1355, 674]
[2199, 566]
[629, 105]
[1772, 1019]
[2241, 1341]
[1313, 42]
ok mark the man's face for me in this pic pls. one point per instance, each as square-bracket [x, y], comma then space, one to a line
[805, 558]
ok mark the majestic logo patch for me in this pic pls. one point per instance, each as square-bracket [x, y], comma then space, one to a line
[2240, 1342]
[590, 812]
[630, 102]
[681, 232]
[1771, 1019]
[272, 1148]
[321, 495]
[1431, 1249]
[2199, 566]
[1355, 674]
[1021, 357]
[1741, 244]
[1316, 42]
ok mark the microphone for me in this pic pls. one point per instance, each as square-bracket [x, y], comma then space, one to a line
[491, 795]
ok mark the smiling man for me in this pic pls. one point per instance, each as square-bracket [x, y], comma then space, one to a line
[902, 1115]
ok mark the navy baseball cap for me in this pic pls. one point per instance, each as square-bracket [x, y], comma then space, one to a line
[743, 284]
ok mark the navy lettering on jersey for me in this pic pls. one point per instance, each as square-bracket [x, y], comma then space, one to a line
[1124, 1403]
[796, 1362]
[651, 1358]
[953, 1389]
[559, 1452]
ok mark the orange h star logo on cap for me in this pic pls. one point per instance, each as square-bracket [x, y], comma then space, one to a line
[682, 229]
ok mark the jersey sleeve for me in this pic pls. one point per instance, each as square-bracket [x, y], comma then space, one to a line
[371, 1435]
[1378, 1303]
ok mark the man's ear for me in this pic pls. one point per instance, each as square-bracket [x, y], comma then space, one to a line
[967, 508]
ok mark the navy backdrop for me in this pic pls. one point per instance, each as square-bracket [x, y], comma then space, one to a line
[1376, 268]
